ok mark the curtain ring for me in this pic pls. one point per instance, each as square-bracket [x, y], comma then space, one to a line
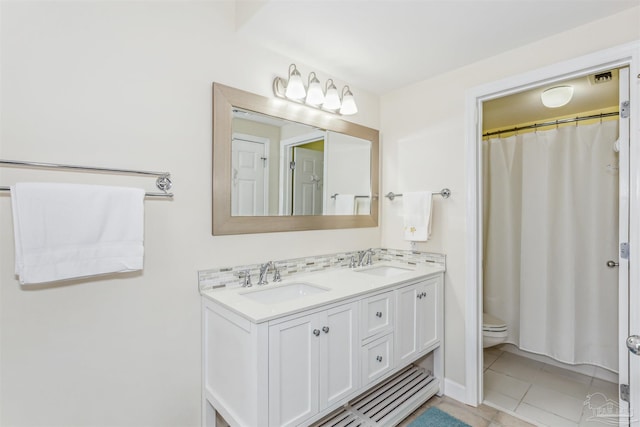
[576, 121]
[556, 124]
[601, 118]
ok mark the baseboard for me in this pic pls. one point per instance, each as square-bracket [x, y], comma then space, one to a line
[455, 391]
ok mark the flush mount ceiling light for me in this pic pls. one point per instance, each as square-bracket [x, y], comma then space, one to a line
[293, 89]
[557, 96]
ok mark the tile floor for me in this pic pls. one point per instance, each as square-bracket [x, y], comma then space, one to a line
[482, 416]
[542, 393]
[518, 389]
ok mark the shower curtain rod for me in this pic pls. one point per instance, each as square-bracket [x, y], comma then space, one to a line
[551, 123]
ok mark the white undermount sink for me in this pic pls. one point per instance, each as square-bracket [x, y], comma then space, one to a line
[385, 270]
[285, 292]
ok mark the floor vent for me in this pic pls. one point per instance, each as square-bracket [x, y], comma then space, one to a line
[388, 403]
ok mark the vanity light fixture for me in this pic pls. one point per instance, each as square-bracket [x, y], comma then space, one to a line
[331, 97]
[557, 96]
[315, 95]
[293, 89]
[295, 85]
[348, 106]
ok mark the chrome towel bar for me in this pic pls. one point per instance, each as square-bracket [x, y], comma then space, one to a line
[445, 193]
[333, 196]
[163, 181]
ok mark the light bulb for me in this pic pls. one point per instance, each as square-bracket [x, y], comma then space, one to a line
[315, 95]
[348, 102]
[331, 97]
[295, 85]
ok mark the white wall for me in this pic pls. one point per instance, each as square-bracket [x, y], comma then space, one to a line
[423, 148]
[126, 84]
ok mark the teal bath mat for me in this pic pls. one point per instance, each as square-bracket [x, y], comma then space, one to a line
[434, 417]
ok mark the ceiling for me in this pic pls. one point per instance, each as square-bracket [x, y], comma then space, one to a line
[524, 107]
[382, 45]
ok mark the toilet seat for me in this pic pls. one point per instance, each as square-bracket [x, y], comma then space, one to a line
[494, 331]
[492, 324]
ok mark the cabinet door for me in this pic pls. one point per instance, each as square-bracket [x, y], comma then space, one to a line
[406, 342]
[428, 314]
[339, 354]
[293, 370]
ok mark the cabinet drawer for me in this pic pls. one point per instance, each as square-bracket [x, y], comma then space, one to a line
[377, 358]
[377, 315]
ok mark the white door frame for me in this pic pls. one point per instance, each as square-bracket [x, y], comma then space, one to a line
[621, 56]
[286, 147]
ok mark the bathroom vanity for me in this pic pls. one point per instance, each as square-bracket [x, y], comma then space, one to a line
[340, 343]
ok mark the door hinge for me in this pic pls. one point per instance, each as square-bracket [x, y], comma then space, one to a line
[624, 250]
[625, 108]
[624, 392]
[292, 165]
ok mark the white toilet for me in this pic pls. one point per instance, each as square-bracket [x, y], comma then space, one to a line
[494, 330]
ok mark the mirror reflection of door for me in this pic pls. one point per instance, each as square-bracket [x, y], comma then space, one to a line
[249, 175]
[308, 175]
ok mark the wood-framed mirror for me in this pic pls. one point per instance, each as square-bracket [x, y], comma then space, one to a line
[280, 166]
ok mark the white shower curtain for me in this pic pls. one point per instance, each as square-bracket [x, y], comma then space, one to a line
[550, 225]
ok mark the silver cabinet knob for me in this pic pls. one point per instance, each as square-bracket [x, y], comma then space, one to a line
[316, 332]
[325, 329]
[379, 314]
[633, 344]
[379, 358]
[612, 264]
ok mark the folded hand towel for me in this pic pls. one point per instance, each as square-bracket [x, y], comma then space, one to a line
[345, 204]
[417, 216]
[65, 231]
[363, 206]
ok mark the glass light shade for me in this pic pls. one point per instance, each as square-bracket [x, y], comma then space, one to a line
[315, 95]
[295, 85]
[331, 97]
[557, 96]
[348, 102]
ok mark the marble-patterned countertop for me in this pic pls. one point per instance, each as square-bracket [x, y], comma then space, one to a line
[337, 285]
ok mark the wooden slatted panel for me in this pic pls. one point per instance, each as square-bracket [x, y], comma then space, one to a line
[382, 405]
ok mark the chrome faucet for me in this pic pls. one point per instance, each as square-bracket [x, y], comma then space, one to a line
[245, 275]
[276, 274]
[264, 269]
[364, 257]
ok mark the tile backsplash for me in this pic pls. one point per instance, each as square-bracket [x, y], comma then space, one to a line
[228, 276]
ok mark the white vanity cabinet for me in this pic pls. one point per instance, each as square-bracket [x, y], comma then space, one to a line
[313, 363]
[268, 368]
[419, 319]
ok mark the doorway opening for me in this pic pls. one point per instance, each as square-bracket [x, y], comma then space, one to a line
[550, 203]
[615, 58]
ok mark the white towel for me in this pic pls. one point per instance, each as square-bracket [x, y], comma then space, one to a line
[363, 206]
[417, 215]
[65, 231]
[345, 204]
